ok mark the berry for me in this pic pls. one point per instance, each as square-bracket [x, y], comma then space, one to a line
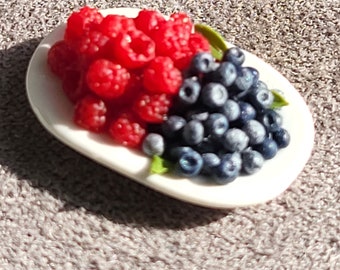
[231, 109]
[260, 96]
[255, 131]
[61, 57]
[202, 62]
[235, 140]
[148, 21]
[160, 76]
[127, 130]
[74, 85]
[113, 24]
[248, 112]
[252, 161]
[152, 108]
[214, 95]
[216, 124]
[92, 45]
[197, 43]
[153, 144]
[189, 91]
[189, 164]
[234, 55]
[193, 132]
[268, 148]
[133, 49]
[271, 120]
[281, 137]
[228, 169]
[197, 114]
[210, 162]
[182, 19]
[173, 126]
[80, 22]
[107, 79]
[90, 113]
[243, 82]
[225, 74]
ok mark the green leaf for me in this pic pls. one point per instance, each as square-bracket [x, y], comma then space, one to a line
[159, 165]
[217, 42]
[279, 100]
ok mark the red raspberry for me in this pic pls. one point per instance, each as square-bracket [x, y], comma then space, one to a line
[126, 129]
[133, 49]
[160, 76]
[92, 45]
[148, 20]
[107, 79]
[90, 113]
[198, 43]
[152, 108]
[82, 21]
[74, 85]
[60, 57]
[112, 25]
[182, 19]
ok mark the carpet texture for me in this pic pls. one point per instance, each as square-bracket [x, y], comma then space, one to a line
[59, 210]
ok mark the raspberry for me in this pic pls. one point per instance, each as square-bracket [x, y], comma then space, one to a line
[107, 79]
[60, 57]
[90, 113]
[182, 19]
[152, 108]
[148, 20]
[198, 43]
[127, 129]
[112, 25]
[92, 45]
[160, 76]
[133, 49]
[74, 85]
[82, 21]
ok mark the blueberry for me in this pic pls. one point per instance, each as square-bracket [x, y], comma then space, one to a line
[208, 144]
[193, 132]
[252, 161]
[234, 55]
[216, 124]
[225, 74]
[197, 114]
[244, 81]
[231, 109]
[247, 112]
[173, 126]
[228, 169]
[210, 162]
[153, 144]
[214, 95]
[189, 164]
[281, 137]
[202, 63]
[255, 131]
[235, 140]
[271, 120]
[260, 96]
[189, 91]
[174, 152]
[268, 148]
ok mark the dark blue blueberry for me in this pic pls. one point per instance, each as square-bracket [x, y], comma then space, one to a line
[252, 161]
[247, 112]
[197, 114]
[175, 151]
[202, 63]
[228, 169]
[281, 137]
[255, 131]
[207, 145]
[193, 132]
[270, 119]
[173, 126]
[260, 96]
[234, 55]
[153, 144]
[231, 109]
[189, 91]
[189, 164]
[214, 95]
[235, 140]
[268, 148]
[225, 74]
[210, 162]
[216, 125]
[243, 82]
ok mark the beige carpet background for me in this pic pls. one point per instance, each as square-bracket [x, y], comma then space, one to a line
[59, 210]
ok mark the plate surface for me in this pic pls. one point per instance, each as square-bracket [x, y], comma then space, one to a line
[54, 112]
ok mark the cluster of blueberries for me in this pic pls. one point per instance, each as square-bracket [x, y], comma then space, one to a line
[222, 124]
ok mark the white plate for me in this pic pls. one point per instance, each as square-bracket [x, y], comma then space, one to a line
[54, 111]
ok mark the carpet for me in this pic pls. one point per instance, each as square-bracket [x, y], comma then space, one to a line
[60, 210]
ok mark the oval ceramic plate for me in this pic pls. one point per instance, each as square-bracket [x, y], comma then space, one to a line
[54, 111]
